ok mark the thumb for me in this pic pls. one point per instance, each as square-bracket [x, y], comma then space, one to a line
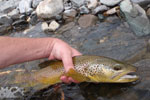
[67, 62]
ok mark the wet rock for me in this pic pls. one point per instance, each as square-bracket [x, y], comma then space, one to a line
[20, 25]
[5, 20]
[148, 13]
[6, 5]
[4, 29]
[67, 5]
[92, 4]
[100, 8]
[33, 19]
[66, 27]
[49, 8]
[14, 14]
[110, 2]
[87, 20]
[35, 3]
[78, 3]
[70, 13]
[84, 10]
[101, 17]
[25, 6]
[136, 18]
[53, 26]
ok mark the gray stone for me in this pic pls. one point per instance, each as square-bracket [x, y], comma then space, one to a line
[35, 3]
[49, 8]
[110, 2]
[8, 4]
[84, 10]
[67, 5]
[70, 13]
[78, 3]
[4, 29]
[5, 20]
[13, 14]
[100, 8]
[25, 6]
[136, 18]
[87, 20]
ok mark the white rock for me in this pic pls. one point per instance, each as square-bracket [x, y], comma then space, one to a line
[45, 26]
[110, 2]
[49, 8]
[53, 26]
[25, 6]
[92, 4]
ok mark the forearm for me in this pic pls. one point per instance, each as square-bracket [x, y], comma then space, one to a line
[17, 50]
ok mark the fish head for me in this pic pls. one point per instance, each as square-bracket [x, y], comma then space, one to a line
[112, 72]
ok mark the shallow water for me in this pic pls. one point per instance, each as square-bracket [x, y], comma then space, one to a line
[112, 38]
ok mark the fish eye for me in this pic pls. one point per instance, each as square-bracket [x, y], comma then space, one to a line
[117, 68]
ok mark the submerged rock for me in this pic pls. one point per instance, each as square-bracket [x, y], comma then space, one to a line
[49, 8]
[87, 20]
[110, 2]
[136, 17]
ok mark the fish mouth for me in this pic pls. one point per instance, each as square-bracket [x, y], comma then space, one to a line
[129, 77]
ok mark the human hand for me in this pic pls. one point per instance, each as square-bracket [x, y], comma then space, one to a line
[62, 51]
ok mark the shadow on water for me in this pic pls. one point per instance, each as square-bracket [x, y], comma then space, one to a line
[93, 91]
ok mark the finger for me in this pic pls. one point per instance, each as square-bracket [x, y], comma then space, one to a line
[65, 79]
[67, 61]
[75, 52]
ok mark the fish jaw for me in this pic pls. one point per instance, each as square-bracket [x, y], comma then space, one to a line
[126, 77]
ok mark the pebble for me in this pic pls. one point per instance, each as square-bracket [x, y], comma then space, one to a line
[110, 2]
[53, 26]
[49, 8]
[92, 4]
[87, 20]
[70, 13]
[78, 3]
[100, 8]
[84, 10]
[148, 13]
[25, 6]
[111, 11]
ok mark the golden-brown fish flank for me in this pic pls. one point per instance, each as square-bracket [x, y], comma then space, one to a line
[87, 69]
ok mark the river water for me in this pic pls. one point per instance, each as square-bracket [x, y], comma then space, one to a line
[112, 38]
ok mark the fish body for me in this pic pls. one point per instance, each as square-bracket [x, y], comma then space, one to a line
[86, 69]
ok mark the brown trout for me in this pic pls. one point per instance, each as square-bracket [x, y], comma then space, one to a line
[86, 69]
